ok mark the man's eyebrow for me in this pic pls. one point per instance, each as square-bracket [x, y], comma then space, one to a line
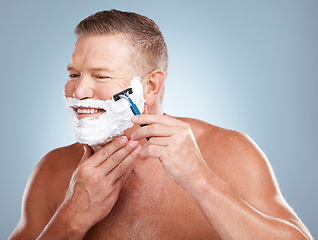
[94, 69]
[99, 69]
[70, 68]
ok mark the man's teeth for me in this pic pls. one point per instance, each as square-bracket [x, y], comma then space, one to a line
[88, 111]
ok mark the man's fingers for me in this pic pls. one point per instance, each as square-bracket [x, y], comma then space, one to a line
[154, 118]
[123, 169]
[154, 151]
[157, 126]
[118, 157]
[159, 141]
[153, 130]
[105, 152]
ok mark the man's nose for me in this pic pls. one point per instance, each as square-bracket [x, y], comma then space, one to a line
[84, 88]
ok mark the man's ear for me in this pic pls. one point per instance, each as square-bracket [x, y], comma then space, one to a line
[153, 83]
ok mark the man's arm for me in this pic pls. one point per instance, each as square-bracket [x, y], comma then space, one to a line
[93, 190]
[34, 210]
[245, 203]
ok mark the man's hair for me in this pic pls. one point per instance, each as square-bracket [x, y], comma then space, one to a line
[143, 34]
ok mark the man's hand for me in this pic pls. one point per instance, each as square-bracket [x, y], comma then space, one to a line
[173, 143]
[96, 183]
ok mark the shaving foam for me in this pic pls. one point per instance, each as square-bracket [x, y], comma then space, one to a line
[110, 124]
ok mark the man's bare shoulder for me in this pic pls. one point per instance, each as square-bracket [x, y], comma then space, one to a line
[235, 158]
[46, 188]
[59, 164]
[230, 154]
[60, 159]
[211, 137]
[52, 174]
[68, 153]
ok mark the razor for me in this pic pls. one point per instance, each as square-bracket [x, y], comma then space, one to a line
[126, 95]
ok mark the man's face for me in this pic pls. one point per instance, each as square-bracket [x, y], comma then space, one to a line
[99, 68]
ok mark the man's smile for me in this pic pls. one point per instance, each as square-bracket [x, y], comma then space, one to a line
[85, 112]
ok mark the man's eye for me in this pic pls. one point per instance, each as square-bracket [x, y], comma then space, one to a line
[74, 75]
[102, 77]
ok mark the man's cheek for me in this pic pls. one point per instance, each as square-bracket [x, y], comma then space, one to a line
[106, 91]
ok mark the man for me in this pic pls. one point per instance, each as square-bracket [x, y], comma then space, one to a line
[189, 180]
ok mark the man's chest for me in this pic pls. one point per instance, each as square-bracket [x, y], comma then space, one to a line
[151, 206]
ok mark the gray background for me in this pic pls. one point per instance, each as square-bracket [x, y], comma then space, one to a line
[245, 65]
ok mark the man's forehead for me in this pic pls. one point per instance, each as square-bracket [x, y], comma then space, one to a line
[100, 44]
[100, 50]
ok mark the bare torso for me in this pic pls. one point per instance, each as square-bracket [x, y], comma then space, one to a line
[150, 205]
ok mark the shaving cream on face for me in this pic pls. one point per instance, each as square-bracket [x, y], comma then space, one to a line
[111, 123]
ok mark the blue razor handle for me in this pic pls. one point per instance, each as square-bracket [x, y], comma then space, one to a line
[133, 107]
[135, 111]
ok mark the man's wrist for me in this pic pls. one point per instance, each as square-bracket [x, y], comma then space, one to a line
[207, 186]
